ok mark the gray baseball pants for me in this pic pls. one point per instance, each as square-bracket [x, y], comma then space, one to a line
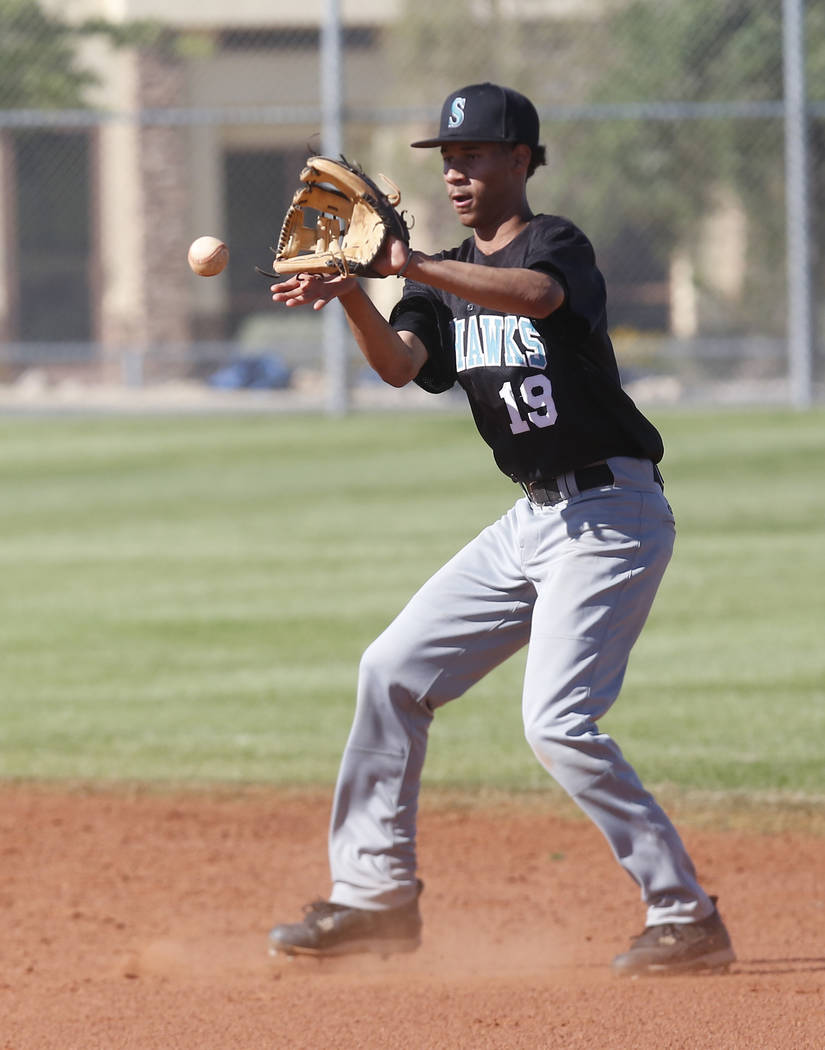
[575, 582]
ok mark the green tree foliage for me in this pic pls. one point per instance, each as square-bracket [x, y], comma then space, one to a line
[670, 163]
[662, 170]
[38, 64]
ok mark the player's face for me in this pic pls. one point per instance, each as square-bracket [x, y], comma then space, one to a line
[485, 181]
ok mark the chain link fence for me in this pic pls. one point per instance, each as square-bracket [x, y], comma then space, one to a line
[120, 142]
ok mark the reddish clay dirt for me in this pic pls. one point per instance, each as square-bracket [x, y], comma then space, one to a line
[135, 919]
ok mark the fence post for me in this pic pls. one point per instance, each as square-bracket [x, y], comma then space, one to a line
[334, 330]
[800, 308]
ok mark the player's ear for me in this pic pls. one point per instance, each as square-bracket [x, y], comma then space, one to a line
[522, 155]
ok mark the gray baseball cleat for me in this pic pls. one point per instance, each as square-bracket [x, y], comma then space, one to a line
[674, 948]
[336, 929]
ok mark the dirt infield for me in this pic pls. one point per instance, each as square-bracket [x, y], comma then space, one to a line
[137, 919]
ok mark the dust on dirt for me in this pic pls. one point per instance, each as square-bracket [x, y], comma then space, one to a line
[137, 918]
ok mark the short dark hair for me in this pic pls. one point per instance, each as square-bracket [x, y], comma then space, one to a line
[537, 159]
[538, 155]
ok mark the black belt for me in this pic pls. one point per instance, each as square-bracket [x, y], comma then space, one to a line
[546, 493]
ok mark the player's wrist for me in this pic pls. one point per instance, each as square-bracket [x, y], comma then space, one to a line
[403, 272]
[348, 287]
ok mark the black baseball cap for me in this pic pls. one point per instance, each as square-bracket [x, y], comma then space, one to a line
[486, 113]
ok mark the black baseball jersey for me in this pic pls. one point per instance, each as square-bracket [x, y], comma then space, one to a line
[545, 392]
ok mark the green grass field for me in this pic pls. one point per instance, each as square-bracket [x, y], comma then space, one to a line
[186, 599]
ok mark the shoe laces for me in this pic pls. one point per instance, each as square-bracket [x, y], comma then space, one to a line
[318, 909]
[667, 929]
[675, 932]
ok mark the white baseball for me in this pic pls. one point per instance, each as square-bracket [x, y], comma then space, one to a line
[207, 256]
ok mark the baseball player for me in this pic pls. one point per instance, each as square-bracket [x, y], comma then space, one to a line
[516, 316]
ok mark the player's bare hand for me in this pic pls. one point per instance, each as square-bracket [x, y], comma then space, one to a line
[313, 290]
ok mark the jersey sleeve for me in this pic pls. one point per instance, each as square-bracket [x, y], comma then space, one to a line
[559, 248]
[421, 312]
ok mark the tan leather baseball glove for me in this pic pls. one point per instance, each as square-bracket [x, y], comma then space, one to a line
[354, 218]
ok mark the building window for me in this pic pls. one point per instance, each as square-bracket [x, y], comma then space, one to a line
[53, 244]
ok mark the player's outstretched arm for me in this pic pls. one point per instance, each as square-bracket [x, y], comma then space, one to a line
[397, 358]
